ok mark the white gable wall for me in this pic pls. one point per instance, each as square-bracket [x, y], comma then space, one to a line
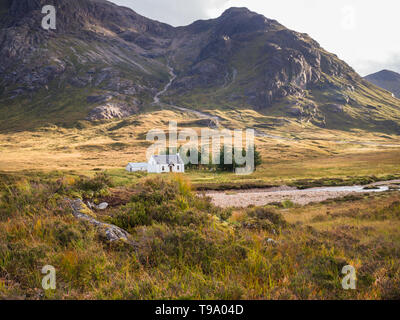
[153, 166]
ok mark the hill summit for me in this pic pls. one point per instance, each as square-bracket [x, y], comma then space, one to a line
[386, 79]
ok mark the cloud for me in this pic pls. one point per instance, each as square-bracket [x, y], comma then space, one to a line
[174, 12]
[361, 32]
[366, 67]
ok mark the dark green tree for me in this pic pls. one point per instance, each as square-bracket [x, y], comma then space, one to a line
[257, 158]
[191, 165]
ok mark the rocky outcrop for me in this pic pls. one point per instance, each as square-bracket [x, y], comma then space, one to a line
[283, 62]
[89, 34]
[108, 231]
[112, 111]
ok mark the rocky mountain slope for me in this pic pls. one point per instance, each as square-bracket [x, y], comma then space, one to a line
[386, 79]
[104, 61]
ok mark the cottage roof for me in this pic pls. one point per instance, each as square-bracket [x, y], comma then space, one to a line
[168, 159]
[137, 165]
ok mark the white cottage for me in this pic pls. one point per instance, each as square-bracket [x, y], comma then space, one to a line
[166, 163]
[135, 167]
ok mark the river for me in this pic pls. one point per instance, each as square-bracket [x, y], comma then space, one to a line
[261, 197]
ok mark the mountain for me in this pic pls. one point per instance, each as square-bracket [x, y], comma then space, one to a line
[105, 61]
[100, 53]
[386, 79]
[267, 60]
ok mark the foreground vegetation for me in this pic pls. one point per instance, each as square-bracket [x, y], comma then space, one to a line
[189, 249]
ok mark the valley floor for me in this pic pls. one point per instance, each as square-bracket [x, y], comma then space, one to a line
[185, 246]
[306, 153]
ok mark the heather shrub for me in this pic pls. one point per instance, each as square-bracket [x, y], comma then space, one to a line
[270, 214]
[99, 182]
[131, 216]
[155, 192]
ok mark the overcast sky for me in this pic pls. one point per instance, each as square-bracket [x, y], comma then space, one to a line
[364, 33]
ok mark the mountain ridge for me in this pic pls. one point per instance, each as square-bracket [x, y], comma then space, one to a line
[105, 61]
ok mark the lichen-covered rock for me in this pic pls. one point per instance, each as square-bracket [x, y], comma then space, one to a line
[108, 231]
[272, 242]
[102, 206]
[112, 111]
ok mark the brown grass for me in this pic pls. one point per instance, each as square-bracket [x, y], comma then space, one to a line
[188, 249]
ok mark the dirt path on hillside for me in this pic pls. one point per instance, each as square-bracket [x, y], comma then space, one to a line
[261, 197]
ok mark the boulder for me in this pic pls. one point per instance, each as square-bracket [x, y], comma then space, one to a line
[102, 206]
[109, 232]
[272, 242]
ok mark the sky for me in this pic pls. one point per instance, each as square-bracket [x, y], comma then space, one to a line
[364, 33]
